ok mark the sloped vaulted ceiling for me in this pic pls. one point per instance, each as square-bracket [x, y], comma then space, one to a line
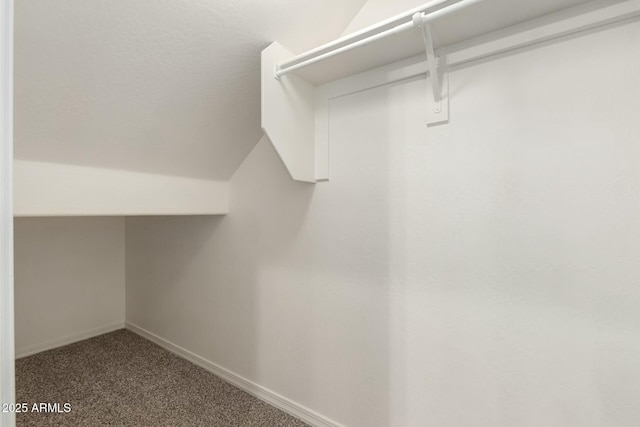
[159, 86]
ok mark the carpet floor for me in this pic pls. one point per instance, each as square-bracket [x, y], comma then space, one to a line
[122, 379]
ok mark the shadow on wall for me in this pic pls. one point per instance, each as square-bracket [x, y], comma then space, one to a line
[195, 281]
[323, 276]
[488, 265]
[291, 288]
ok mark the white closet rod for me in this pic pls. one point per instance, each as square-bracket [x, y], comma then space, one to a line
[430, 12]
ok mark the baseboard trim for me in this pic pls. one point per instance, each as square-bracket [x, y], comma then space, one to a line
[271, 397]
[69, 339]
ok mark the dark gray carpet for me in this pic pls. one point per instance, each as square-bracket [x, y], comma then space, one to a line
[123, 379]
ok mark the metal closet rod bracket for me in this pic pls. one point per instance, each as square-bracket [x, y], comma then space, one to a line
[432, 59]
[439, 111]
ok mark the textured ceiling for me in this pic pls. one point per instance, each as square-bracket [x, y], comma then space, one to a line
[161, 86]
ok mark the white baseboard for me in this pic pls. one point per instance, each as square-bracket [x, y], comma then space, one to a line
[66, 340]
[271, 397]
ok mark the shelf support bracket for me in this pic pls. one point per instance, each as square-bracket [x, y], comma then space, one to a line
[438, 89]
[276, 70]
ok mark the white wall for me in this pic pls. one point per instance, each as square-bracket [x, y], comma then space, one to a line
[481, 273]
[69, 280]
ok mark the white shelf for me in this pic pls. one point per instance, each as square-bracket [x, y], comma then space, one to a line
[472, 22]
[52, 189]
[292, 106]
